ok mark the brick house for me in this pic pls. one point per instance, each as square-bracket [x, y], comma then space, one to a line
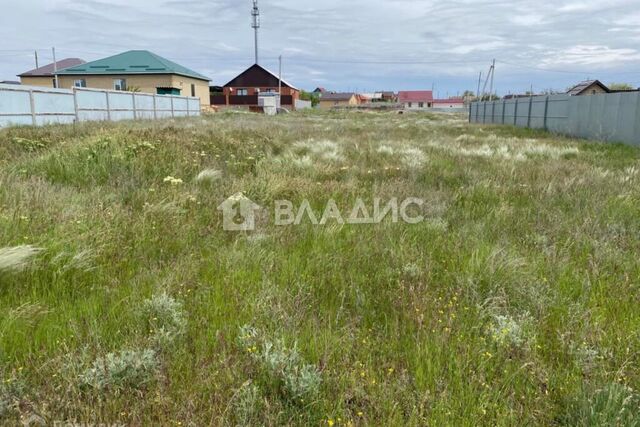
[243, 90]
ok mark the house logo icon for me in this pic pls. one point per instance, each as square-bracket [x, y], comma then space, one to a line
[238, 213]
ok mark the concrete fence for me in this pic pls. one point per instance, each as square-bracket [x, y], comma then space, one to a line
[611, 117]
[30, 105]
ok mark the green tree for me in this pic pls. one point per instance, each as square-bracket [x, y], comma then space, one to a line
[621, 86]
[310, 96]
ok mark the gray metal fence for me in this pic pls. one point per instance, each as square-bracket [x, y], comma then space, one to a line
[30, 105]
[608, 117]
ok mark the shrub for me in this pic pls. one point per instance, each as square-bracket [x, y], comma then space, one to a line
[121, 371]
[247, 404]
[283, 366]
[165, 318]
[508, 332]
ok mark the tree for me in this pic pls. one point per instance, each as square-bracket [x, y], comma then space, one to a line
[310, 96]
[621, 86]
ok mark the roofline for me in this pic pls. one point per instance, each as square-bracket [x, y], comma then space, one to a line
[277, 77]
[124, 73]
[592, 82]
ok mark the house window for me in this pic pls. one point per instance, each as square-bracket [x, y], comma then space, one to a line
[410, 104]
[193, 90]
[420, 104]
[80, 83]
[272, 91]
[119, 84]
[243, 92]
[168, 91]
[429, 105]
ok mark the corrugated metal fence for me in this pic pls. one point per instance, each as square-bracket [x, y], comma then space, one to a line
[608, 117]
[29, 105]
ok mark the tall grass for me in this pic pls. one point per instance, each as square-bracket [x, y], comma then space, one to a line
[123, 301]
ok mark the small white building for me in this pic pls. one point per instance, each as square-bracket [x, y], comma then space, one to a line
[416, 99]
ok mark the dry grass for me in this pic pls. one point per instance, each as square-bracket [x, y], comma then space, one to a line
[515, 302]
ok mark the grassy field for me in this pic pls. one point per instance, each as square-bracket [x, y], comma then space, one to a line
[123, 301]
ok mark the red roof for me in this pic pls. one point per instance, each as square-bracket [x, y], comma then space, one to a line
[48, 70]
[415, 96]
[449, 101]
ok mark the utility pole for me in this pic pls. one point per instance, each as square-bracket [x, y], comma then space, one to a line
[478, 92]
[280, 82]
[55, 68]
[36, 54]
[255, 13]
[493, 73]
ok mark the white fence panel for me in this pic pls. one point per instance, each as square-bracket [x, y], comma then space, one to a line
[194, 106]
[144, 106]
[25, 105]
[15, 108]
[53, 107]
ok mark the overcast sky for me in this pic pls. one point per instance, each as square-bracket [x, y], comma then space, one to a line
[363, 45]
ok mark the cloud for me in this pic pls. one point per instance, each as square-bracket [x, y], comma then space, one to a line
[364, 44]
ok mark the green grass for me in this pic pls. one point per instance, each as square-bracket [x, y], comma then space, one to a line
[514, 303]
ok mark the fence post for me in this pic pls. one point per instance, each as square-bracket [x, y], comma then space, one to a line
[155, 107]
[504, 107]
[470, 108]
[173, 112]
[484, 112]
[493, 112]
[75, 103]
[32, 103]
[546, 111]
[530, 108]
[135, 111]
[515, 114]
[188, 110]
[106, 93]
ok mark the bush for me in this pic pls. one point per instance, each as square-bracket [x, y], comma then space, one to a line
[121, 371]
[284, 366]
[165, 319]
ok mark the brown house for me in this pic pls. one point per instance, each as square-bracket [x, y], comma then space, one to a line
[243, 91]
[589, 87]
[44, 76]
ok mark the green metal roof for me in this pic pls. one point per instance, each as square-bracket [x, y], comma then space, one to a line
[132, 62]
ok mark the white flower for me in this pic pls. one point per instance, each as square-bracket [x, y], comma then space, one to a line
[173, 181]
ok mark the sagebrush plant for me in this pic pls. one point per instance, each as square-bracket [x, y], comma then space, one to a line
[127, 369]
[247, 404]
[508, 331]
[517, 221]
[12, 390]
[164, 318]
[300, 381]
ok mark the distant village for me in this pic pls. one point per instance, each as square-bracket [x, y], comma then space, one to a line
[252, 89]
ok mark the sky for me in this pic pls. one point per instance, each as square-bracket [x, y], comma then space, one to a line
[345, 45]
